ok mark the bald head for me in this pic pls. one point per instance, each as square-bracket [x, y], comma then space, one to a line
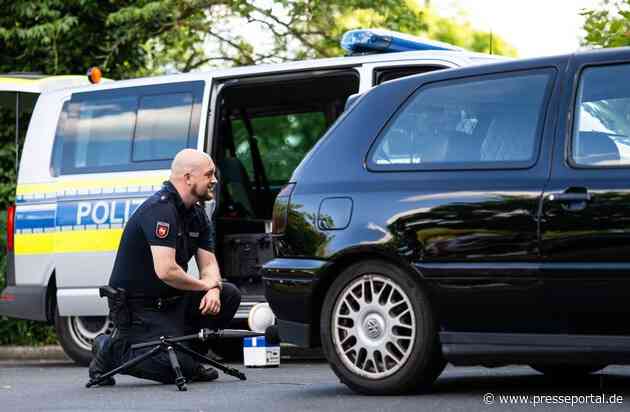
[192, 174]
[189, 161]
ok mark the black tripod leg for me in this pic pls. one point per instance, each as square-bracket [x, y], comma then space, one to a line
[226, 369]
[127, 365]
[180, 381]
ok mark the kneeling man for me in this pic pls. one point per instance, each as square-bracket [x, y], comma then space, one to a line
[159, 239]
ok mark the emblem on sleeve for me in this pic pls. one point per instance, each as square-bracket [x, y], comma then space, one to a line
[162, 229]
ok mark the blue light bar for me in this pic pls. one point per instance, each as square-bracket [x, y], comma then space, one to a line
[385, 41]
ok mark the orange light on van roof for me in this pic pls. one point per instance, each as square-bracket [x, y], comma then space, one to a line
[94, 75]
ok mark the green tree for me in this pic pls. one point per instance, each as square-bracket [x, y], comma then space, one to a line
[608, 24]
[310, 29]
[131, 38]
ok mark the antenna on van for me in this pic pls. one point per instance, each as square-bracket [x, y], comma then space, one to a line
[491, 41]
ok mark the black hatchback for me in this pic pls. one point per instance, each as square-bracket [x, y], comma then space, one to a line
[476, 216]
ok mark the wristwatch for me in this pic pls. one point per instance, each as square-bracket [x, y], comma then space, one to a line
[219, 285]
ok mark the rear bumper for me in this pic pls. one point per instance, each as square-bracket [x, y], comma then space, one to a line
[290, 288]
[24, 302]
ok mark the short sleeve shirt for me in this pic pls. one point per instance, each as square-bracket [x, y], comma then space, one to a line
[162, 220]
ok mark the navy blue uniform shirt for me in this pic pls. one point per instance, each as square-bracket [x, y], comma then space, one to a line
[162, 220]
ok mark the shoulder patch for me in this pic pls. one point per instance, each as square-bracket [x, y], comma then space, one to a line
[162, 229]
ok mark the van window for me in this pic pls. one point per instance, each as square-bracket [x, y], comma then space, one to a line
[103, 132]
[163, 126]
[601, 134]
[481, 122]
[127, 129]
[384, 74]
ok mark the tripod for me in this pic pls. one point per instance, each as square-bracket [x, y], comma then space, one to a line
[171, 345]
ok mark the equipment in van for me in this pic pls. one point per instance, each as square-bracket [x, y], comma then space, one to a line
[244, 254]
[170, 345]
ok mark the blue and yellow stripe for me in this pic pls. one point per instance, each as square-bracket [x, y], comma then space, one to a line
[78, 216]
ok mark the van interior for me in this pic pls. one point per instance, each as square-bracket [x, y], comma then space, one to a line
[16, 109]
[264, 127]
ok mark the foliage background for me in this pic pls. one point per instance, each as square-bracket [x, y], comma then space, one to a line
[608, 25]
[12, 331]
[147, 37]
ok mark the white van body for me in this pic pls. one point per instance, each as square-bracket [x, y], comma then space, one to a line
[68, 224]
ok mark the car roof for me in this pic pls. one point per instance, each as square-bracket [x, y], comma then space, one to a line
[489, 68]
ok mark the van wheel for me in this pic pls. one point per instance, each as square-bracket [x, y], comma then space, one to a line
[567, 371]
[379, 332]
[76, 334]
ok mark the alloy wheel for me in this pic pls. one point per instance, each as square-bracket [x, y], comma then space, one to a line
[374, 326]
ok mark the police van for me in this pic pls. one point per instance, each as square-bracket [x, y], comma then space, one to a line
[93, 154]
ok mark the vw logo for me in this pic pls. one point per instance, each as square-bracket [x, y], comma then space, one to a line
[373, 328]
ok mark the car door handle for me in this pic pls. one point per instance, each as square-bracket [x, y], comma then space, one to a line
[569, 197]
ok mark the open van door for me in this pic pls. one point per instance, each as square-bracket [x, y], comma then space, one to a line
[263, 125]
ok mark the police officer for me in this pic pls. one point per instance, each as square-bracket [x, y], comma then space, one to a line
[159, 239]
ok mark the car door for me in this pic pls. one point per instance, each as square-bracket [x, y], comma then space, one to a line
[473, 155]
[585, 225]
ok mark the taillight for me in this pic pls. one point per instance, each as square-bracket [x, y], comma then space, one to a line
[281, 209]
[10, 227]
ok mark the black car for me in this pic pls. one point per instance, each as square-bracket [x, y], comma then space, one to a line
[476, 216]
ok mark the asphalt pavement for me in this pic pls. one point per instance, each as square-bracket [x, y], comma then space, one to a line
[307, 386]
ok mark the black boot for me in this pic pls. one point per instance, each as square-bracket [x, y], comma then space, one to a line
[101, 360]
[205, 373]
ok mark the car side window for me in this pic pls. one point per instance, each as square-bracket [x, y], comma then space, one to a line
[490, 121]
[136, 128]
[601, 131]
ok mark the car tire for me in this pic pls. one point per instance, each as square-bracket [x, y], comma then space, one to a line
[76, 334]
[567, 371]
[395, 349]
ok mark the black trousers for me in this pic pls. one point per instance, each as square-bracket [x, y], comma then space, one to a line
[180, 317]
